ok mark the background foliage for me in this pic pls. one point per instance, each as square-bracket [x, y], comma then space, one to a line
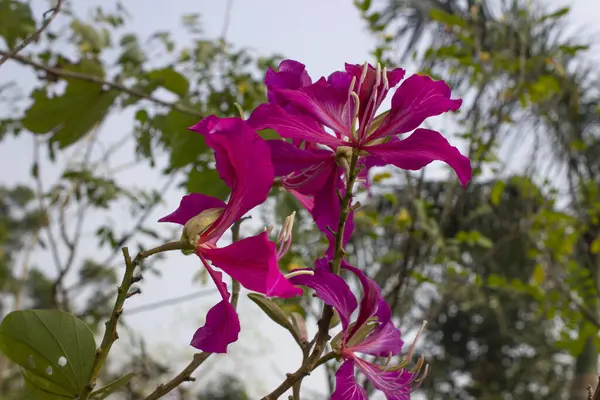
[506, 272]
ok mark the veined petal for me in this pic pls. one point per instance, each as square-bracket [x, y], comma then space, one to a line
[326, 103]
[243, 162]
[253, 262]
[418, 98]
[383, 341]
[222, 325]
[190, 206]
[346, 387]
[294, 126]
[370, 302]
[420, 149]
[290, 75]
[330, 288]
[288, 158]
[396, 385]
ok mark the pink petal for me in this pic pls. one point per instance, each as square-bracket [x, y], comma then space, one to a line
[243, 162]
[190, 206]
[288, 158]
[271, 116]
[290, 75]
[222, 325]
[328, 103]
[420, 149]
[253, 262]
[330, 288]
[396, 385]
[346, 387]
[385, 339]
[418, 98]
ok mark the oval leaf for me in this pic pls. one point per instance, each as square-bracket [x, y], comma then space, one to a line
[55, 349]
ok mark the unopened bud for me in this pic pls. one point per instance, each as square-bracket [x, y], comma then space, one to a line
[199, 224]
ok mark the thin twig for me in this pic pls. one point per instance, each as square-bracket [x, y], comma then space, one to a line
[54, 12]
[322, 335]
[63, 73]
[186, 374]
[110, 333]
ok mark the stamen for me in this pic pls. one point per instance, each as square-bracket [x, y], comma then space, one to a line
[419, 365]
[414, 343]
[389, 358]
[269, 229]
[240, 110]
[378, 75]
[285, 236]
[356, 111]
[352, 84]
[386, 82]
[363, 75]
[297, 273]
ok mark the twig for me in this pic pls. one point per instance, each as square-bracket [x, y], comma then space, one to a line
[63, 73]
[596, 395]
[199, 358]
[54, 12]
[323, 333]
[110, 333]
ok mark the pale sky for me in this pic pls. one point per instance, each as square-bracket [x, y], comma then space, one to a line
[320, 33]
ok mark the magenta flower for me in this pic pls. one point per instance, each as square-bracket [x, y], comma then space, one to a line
[346, 103]
[243, 162]
[373, 333]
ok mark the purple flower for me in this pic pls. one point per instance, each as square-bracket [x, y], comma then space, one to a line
[346, 103]
[243, 162]
[372, 333]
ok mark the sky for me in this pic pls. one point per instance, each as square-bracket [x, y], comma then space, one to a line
[323, 34]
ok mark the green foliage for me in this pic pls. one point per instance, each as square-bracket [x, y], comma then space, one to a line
[16, 21]
[112, 387]
[55, 350]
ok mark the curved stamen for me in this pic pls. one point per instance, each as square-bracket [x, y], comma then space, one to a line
[298, 179]
[296, 273]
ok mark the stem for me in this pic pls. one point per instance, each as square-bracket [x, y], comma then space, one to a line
[110, 333]
[54, 12]
[322, 336]
[186, 374]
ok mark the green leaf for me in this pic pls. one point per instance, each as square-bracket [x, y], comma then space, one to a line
[561, 12]
[207, 182]
[497, 191]
[538, 275]
[16, 21]
[272, 310]
[185, 146]
[55, 349]
[269, 134]
[170, 80]
[73, 114]
[112, 387]
[448, 19]
[31, 392]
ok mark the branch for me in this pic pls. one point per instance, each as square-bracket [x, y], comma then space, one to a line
[110, 333]
[199, 358]
[63, 73]
[322, 335]
[54, 12]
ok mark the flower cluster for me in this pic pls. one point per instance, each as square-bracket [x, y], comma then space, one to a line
[331, 136]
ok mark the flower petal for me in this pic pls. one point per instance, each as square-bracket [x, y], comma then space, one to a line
[420, 149]
[253, 262]
[418, 98]
[271, 116]
[190, 206]
[288, 158]
[396, 385]
[383, 341]
[327, 102]
[244, 163]
[346, 386]
[290, 75]
[222, 325]
[330, 288]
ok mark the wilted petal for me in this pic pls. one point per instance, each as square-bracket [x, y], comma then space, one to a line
[396, 385]
[271, 116]
[190, 206]
[418, 98]
[383, 341]
[253, 262]
[346, 387]
[420, 149]
[243, 162]
[222, 325]
[330, 288]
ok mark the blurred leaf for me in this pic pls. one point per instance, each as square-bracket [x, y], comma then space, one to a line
[16, 21]
[170, 80]
[112, 387]
[207, 182]
[538, 275]
[448, 19]
[272, 310]
[497, 191]
[55, 349]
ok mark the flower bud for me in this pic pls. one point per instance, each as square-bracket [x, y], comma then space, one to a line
[199, 224]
